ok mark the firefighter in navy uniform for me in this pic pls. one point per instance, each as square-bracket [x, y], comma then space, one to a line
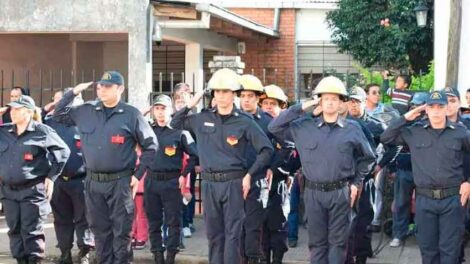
[32, 156]
[252, 89]
[68, 199]
[275, 222]
[454, 114]
[437, 147]
[110, 130]
[223, 135]
[335, 157]
[164, 181]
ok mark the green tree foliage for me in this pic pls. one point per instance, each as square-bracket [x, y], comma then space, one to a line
[399, 44]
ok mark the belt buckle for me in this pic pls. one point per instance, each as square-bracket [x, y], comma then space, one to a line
[218, 176]
[437, 194]
[65, 178]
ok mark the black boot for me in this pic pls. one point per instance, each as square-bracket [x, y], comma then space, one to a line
[267, 256]
[361, 260]
[158, 257]
[65, 257]
[170, 257]
[277, 257]
[84, 255]
[254, 261]
[35, 260]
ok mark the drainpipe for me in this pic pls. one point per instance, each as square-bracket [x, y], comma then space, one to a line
[277, 18]
[150, 32]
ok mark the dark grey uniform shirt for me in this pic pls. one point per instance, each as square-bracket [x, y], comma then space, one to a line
[108, 142]
[262, 119]
[436, 156]
[327, 153]
[173, 144]
[69, 134]
[37, 153]
[222, 142]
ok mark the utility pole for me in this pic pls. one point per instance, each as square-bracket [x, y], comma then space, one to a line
[453, 48]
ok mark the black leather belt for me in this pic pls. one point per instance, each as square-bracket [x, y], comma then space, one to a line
[106, 177]
[72, 177]
[327, 186]
[163, 176]
[223, 176]
[438, 194]
[25, 185]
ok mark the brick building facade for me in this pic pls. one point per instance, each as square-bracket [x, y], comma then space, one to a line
[275, 56]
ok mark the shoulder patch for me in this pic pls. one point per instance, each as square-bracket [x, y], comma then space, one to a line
[188, 136]
[93, 102]
[241, 113]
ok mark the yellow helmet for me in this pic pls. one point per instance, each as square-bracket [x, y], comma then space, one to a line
[251, 83]
[224, 79]
[331, 85]
[275, 92]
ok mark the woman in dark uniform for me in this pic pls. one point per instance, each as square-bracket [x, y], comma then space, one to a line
[32, 156]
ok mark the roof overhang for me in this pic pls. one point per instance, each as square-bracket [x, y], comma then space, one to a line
[297, 4]
[184, 15]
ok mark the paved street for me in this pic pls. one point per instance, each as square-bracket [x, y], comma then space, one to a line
[196, 249]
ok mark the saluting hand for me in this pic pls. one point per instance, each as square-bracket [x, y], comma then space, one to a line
[354, 194]
[311, 103]
[246, 185]
[464, 193]
[49, 187]
[81, 87]
[415, 113]
[134, 185]
[195, 100]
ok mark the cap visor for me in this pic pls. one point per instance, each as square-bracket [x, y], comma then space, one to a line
[15, 105]
[356, 98]
[160, 103]
[106, 82]
[436, 102]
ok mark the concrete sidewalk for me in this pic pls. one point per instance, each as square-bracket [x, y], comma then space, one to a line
[196, 249]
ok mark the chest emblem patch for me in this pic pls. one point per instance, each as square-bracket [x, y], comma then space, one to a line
[170, 150]
[232, 140]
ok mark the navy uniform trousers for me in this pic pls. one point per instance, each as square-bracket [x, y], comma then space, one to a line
[26, 210]
[110, 213]
[68, 207]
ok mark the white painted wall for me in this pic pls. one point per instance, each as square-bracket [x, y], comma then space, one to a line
[311, 26]
[441, 35]
[194, 57]
[464, 63]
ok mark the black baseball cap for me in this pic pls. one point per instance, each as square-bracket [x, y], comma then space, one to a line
[23, 101]
[450, 91]
[437, 97]
[111, 77]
